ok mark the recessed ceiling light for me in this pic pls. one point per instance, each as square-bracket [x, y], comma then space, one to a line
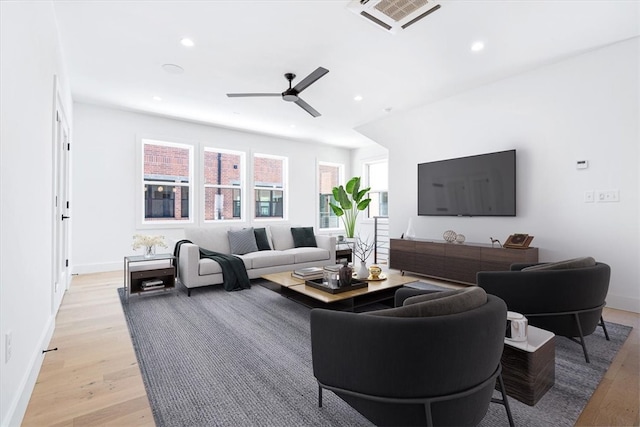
[157, 98]
[187, 42]
[292, 126]
[387, 110]
[357, 98]
[477, 46]
[173, 68]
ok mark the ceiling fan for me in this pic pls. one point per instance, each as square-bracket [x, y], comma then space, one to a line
[292, 93]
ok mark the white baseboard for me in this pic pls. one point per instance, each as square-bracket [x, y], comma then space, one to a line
[623, 303]
[18, 406]
[97, 268]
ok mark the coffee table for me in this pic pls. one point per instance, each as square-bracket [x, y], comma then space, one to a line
[376, 291]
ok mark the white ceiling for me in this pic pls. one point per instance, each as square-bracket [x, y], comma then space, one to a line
[115, 50]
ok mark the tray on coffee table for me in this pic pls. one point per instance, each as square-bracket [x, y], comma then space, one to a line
[317, 283]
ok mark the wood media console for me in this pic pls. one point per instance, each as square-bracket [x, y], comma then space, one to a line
[454, 262]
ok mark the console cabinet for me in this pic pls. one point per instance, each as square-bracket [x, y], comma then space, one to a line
[452, 261]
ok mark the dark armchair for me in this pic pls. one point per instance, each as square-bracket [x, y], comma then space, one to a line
[565, 298]
[412, 365]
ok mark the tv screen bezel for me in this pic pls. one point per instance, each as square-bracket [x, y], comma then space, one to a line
[512, 212]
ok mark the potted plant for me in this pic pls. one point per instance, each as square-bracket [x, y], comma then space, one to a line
[350, 200]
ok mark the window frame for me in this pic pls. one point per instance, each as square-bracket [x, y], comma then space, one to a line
[341, 181]
[203, 185]
[285, 188]
[142, 222]
[366, 173]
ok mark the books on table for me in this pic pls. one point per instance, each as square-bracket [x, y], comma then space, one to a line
[311, 273]
[308, 273]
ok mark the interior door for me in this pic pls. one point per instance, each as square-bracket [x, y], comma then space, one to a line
[61, 272]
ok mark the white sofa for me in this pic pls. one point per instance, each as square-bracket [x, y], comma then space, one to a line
[195, 272]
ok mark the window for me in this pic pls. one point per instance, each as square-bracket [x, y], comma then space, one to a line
[378, 180]
[223, 184]
[329, 175]
[167, 180]
[269, 176]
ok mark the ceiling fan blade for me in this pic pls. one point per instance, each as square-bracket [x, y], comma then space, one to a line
[238, 95]
[306, 82]
[308, 108]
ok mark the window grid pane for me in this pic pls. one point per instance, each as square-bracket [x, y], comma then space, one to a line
[328, 177]
[166, 172]
[269, 184]
[223, 185]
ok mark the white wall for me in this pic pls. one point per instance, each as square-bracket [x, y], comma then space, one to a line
[30, 57]
[582, 108]
[104, 177]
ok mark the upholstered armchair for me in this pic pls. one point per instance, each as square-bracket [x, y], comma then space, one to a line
[433, 361]
[565, 298]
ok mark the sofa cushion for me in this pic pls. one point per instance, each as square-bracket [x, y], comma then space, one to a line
[303, 237]
[563, 265]
[281, 237]
[438, 303]
[262, 240]
[242, 241]
[208, 266]
[212, 238]
[263, 259]
[309, 254]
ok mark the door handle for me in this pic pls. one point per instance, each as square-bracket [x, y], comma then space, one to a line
[65, 217]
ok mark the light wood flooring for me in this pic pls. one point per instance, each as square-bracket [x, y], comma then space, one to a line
[93, 379]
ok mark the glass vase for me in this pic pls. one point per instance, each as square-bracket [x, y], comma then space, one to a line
[149, 251]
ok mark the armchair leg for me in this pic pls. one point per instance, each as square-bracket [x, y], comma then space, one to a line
[584, 346]
[604, 328]
[427, 413]
[504, 400]
[319, 396]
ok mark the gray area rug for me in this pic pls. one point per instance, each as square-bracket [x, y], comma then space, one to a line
[244, 358]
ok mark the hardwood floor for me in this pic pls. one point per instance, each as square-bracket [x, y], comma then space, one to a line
[93, 379]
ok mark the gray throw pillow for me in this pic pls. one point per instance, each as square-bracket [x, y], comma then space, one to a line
[242, 241]
[438, 303]
[563, 265]
[303, 237]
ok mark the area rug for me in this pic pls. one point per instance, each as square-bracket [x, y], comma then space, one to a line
[244, 358]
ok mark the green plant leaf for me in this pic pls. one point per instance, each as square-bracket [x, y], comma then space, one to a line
[336, 209]
[353, 185]
[361, 194]
[364, 204]
[343, 199]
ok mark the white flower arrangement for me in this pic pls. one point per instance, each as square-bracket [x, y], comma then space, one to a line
[143, 241]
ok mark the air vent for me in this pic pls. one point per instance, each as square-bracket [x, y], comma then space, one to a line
[393, 15]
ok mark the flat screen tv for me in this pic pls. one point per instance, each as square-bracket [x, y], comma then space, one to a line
[482, 185]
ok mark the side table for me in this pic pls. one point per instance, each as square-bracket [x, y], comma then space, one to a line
[528, 367]
[149, 274]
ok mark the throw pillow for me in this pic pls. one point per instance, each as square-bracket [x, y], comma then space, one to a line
[303, 237]
[438, 304]
[261, 239]
[242, 241]
[563, 265]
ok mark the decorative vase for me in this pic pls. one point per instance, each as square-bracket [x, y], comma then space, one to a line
[363, 273]
[450, 236]
[410, 233]
[460, 238]
[346, 275]
[374, 271]
[149, 251]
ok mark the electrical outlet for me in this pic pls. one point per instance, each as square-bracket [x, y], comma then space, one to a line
[607, 196]
[8, 337]
[588, 196]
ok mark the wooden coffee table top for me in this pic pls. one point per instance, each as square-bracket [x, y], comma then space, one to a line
[393, 280]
